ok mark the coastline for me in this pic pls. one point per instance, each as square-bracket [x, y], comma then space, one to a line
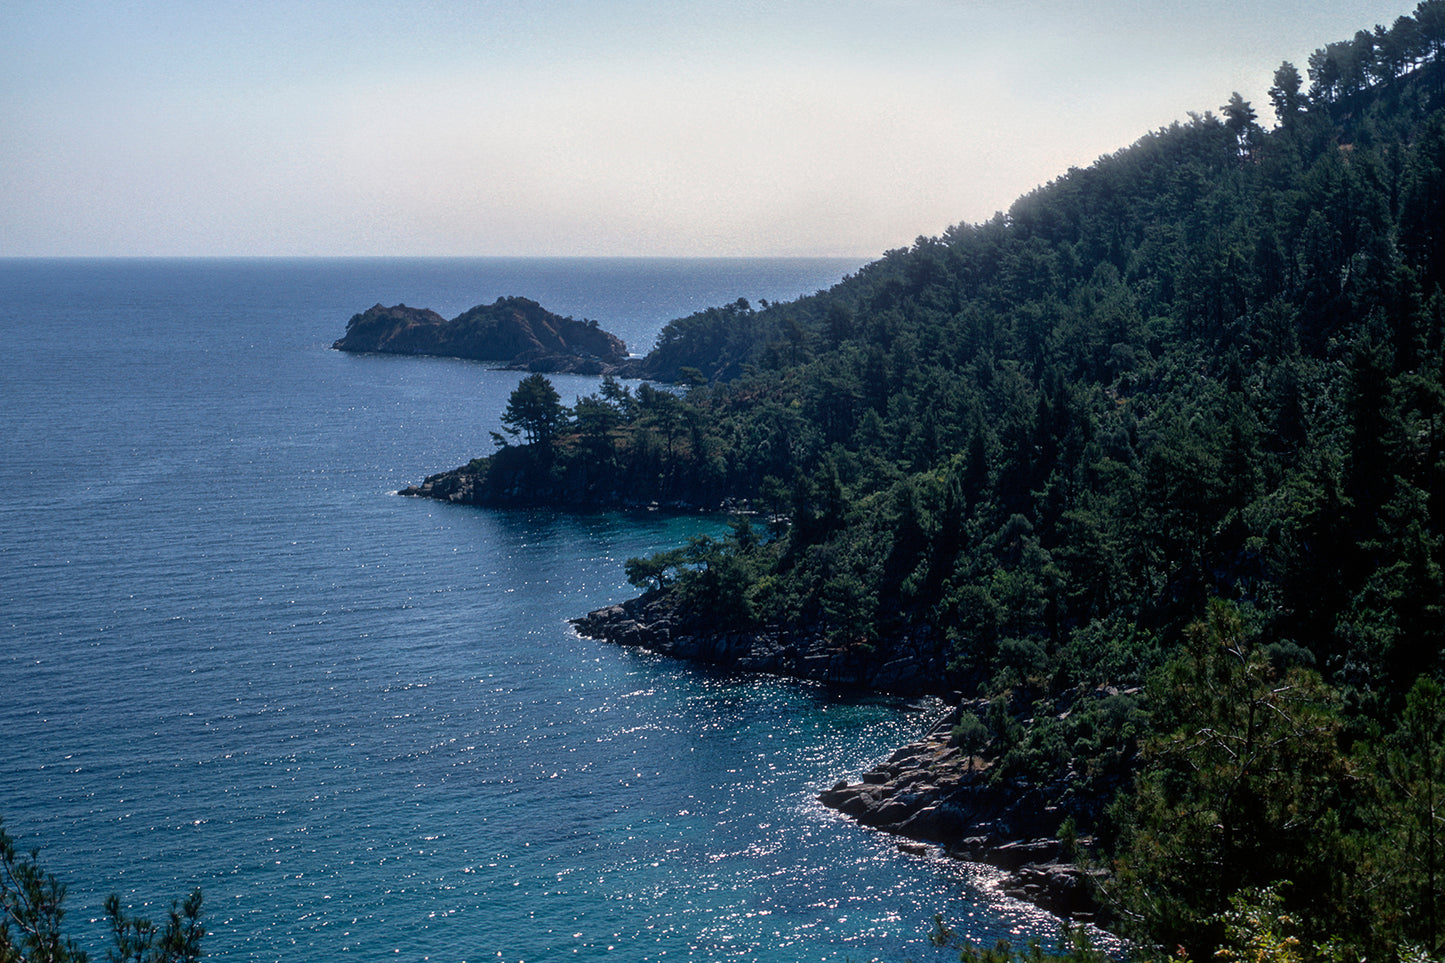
[929, 793]
[514, 482]
[915, 664]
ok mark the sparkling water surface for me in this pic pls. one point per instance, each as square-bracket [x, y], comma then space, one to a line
[231, 657]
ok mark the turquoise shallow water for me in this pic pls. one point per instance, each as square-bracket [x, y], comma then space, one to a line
[231, 658]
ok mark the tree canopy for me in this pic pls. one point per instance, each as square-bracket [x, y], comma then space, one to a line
[1171, 429]
[534, 411]
[32, 913]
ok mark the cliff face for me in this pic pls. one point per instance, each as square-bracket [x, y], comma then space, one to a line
[514, 332]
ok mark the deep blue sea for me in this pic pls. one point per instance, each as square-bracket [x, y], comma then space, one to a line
[231, 657]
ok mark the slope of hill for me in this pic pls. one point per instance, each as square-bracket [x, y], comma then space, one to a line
[1157, 458]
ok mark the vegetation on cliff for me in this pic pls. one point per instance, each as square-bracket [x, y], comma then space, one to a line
[1172, 429]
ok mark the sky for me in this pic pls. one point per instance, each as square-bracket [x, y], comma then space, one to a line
[592, 127]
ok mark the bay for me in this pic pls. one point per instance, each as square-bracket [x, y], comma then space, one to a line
[231, 657]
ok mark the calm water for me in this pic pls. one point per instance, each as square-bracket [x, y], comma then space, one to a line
[230, 657]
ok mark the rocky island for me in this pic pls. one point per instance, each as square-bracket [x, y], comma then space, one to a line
[513, 332]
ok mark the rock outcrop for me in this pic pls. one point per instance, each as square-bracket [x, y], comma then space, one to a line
[510, 479]
[513, 332]
[911, 665]
[462, 486]
[932, 792]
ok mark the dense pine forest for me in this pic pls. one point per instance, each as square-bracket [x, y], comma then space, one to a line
[1170, 431]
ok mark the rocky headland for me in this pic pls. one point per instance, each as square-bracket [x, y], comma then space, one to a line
[510, 479]
[512, 332]
[911, 665]
[932, 793]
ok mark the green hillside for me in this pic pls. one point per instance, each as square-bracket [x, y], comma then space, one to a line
[1171, 428]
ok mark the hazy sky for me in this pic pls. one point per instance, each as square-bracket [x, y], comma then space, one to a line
[607, 127]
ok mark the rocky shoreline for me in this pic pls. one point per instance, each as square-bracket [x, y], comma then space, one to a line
[912, 665]
[929, 793]
[515, 484]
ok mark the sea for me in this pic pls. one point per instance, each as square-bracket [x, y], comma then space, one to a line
[233, 658]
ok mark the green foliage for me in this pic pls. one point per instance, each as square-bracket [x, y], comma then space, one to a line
[971, 734]
[1413, 803]
[1256, 929]
[534, 411]
[1176, 418]
[30, 909]
[138, 940]
[652, 572]
[1241, 786]
[1074, 946]
[1285, 94]
[31, 915]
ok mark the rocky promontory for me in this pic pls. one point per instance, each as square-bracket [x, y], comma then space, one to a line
[510, 478]
[934, 793]
[514, 332]
[910, 665]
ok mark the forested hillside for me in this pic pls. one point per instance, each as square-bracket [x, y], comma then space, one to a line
[1172, 428]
